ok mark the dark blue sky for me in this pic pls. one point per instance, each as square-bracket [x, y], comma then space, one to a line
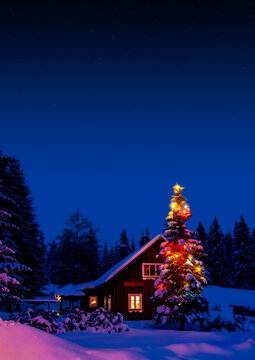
[108, 103]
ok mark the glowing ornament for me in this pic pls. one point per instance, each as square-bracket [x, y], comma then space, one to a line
[173, 205]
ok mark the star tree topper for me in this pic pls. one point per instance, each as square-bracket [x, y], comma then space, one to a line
[178, 205]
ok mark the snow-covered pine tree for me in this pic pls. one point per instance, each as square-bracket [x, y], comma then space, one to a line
[26, 239]
[10, 268]
[179, 286]
[216, 250]
[145, 238]
[243, 256]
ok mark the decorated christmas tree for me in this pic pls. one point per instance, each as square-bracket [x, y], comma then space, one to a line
[179, 286]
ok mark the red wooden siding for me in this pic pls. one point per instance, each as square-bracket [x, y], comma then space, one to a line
[133, 273]
[128, 281]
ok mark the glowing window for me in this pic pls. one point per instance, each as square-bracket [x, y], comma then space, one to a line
[93, 301]
[135, 302]
[110, 302]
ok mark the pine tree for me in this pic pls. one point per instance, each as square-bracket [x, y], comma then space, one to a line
[215, 249]
[132, 248]
[26, 238]
[114, 256]
[111, 257]
[124, 245]
[201, 234]
[92, 254]
[65, 272]
[53, 264]
[228, 260]
[145, 238]
[105, 263]
[10, 280]
[43, 266]
[181, 280]
[243, 256]
[78, 252]
[252, 250]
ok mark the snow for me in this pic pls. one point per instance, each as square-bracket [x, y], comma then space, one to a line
[225, 296]
[143, 342]
[76, 290]
[41, 300]
[21, 342]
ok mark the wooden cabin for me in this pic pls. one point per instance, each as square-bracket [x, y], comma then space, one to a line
[126, 288]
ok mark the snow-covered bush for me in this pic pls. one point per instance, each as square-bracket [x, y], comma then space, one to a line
[104, 321]
[99, 321]
[46, 320]
[75, 319]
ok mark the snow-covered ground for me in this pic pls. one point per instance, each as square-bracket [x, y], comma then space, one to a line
[21, 342]
[223, 297]
[142, 342]
[148, 343]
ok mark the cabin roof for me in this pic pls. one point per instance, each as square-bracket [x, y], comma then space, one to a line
[70, 290]
[76, 290]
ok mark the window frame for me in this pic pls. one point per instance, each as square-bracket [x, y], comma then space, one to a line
[155, 270]
[140, 300]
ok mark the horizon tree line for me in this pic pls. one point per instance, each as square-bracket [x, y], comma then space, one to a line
[77, 255]
[230, 257]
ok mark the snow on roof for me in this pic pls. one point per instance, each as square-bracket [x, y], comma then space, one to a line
[76, 290]
[119, 266]
[70, 290]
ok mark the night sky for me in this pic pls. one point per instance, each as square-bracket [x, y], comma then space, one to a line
[108, 103]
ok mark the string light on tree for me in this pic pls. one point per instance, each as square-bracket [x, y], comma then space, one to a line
[181, 280]
[178, 205]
